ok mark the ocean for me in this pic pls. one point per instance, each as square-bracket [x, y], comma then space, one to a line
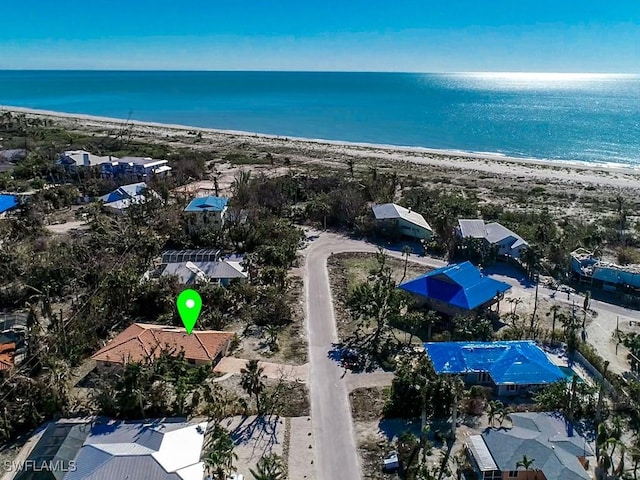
[589, 118]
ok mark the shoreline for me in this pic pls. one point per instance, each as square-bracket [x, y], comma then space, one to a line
[489, 162]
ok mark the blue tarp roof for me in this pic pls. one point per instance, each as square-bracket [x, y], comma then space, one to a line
[508, 362]
[7, 202]
[461, 285]
[207, 204]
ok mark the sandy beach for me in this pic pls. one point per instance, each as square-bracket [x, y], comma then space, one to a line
[306, 150]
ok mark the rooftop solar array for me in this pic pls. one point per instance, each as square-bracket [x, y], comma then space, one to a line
[183, 256]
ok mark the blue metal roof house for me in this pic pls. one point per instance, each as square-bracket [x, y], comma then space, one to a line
[457, 289]
[207, 204]
[511, 367]
[126, 195]
[208, 212]
[7, 202]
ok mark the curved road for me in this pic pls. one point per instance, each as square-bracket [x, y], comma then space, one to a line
[336, 452]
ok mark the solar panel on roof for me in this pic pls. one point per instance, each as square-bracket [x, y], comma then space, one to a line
[183, 256]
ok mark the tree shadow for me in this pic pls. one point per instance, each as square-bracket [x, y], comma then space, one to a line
[262, 431]
[510, 271]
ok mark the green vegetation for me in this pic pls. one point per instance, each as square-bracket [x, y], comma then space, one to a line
[80, 289]
[270, 467]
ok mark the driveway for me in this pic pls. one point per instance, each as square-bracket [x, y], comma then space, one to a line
[290, 373]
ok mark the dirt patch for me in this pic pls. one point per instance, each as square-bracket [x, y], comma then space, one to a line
[291, 340]
[347, 270]
[368, 403]
[288, 399]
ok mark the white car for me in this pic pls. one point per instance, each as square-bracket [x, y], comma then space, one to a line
[235, 476]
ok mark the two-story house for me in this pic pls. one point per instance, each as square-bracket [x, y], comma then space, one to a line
[207, 212]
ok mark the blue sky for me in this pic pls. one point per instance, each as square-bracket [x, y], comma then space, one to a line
[361, 35]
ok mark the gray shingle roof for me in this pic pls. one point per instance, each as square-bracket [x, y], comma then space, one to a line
[117, 468]
[543, 437]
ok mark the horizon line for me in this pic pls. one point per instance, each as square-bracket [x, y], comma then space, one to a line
[171, 70]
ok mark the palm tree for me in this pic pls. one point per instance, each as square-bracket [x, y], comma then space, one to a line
[251, 381]
[515, 302]
[406, 251]
[270, 467]
[525, 463]
[219, 455]
[430, 318]
[553, 311]
[272, 332]
[496, 409]
[531, 258]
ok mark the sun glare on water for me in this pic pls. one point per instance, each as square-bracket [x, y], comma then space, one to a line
[536, 80]
[546, 76]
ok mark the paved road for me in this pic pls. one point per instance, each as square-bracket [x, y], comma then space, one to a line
[336, 453]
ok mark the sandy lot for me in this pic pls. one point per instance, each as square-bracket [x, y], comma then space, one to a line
[292, 373]
[288, 437]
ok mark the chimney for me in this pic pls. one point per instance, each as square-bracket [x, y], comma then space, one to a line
[85, 159]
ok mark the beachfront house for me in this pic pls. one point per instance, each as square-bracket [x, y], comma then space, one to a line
[457, 289]
[134, 168]
[106, 449]
[207, 212]
[126, 195]
[544, 437]
[141, 341]
[509, 367]
[203, 266]
[494, 236]
[402, 221]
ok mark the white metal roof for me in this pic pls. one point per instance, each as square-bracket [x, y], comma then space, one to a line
[481, 453]
[393, 211]
[472, 228]
[497, 232]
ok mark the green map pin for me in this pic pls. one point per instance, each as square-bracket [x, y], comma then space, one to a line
[189, 306]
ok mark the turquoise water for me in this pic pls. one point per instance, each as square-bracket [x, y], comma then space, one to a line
[570, 117]
[569, 374]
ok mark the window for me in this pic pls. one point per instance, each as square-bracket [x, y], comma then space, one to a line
[483, 377]
[191, 361]
[512, 388]
[513, 474]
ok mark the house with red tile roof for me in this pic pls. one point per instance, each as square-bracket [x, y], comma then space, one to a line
[141, 341]
[7, 352]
